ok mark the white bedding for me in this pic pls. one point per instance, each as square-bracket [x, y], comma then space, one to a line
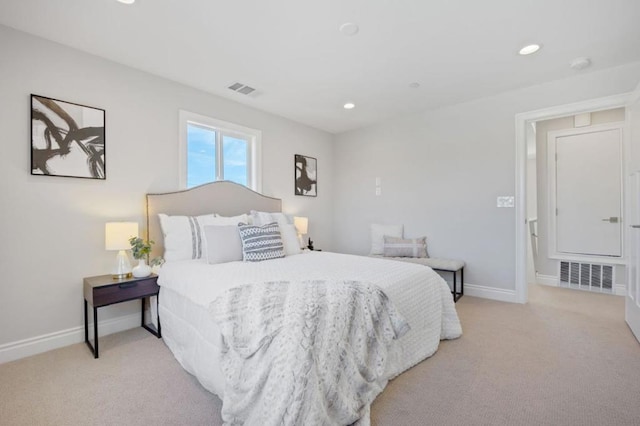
[188, 288]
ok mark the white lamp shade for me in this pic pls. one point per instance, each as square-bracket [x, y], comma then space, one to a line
[117, 235]
[301, 224]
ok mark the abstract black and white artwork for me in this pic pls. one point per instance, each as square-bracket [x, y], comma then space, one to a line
[306, 169]
[67, 139]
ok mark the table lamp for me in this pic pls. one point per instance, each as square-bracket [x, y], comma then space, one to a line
[116, 237]
[302, 226]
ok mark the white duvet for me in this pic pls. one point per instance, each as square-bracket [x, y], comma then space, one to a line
[187, 289]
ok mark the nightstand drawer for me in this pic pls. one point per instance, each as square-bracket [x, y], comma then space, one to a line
[120, 292]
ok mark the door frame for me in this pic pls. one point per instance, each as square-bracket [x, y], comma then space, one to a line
[522, 120]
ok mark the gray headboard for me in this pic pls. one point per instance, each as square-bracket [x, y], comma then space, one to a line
[224, 198]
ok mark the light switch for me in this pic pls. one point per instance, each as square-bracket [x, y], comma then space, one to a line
[506, 201]
[378, 181]
[378, 191]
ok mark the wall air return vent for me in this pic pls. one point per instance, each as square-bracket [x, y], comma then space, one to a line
[587, 276]
[243, 89]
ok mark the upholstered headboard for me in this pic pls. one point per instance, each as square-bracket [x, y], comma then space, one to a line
[224, 198]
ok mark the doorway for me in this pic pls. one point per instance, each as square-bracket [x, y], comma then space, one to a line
[576, 166]
[525, 122]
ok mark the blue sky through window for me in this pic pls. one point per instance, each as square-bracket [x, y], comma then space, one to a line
[235, 159]
[201, 155]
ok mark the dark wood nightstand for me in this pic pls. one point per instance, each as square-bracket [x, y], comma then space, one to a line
[103, 290]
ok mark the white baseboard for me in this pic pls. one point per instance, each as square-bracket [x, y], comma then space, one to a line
[550, 280]
[35, 345]
[493, 293]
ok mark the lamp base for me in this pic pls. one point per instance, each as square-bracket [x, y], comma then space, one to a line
[122, 276]
[122, 268]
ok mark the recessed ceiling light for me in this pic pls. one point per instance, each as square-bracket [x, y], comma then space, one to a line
[127, 1]
[349, 29]
[528, 50]
[349, 105]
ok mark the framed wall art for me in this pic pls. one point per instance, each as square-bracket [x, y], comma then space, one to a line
[306, 173]
[67, 139]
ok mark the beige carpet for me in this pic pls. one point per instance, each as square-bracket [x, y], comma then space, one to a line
[566, 358]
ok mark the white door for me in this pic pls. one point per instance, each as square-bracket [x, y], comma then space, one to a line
[632, 302]
[588, 192]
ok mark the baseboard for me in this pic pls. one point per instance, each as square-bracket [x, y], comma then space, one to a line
[493, 293]
[550, 280]
[35, 345]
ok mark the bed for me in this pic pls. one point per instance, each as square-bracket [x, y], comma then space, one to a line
[189, 287]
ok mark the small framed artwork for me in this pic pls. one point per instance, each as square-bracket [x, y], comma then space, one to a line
[67, 139]
[306, 172]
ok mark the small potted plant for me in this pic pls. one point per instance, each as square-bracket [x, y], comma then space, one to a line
[140, 251]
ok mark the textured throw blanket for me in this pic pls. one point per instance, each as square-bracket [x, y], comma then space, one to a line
[304, 353]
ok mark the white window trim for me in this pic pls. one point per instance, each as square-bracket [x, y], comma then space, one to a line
[254, 180]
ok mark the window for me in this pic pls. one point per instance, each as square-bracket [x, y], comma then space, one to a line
[212, 150]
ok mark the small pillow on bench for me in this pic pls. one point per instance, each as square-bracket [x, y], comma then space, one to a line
[405, 247]
[378, 233]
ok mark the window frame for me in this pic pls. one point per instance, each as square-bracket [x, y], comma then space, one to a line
[222, 128]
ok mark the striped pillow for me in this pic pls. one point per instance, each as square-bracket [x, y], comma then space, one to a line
[184, 236]
[261, 242]
[408, 247]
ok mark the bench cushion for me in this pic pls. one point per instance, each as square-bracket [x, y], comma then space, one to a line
[434, 263]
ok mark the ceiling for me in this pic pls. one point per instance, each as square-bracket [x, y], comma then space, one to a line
[305, 69]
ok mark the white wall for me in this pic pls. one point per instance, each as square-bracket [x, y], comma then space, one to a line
[53, 228]
[442, 170]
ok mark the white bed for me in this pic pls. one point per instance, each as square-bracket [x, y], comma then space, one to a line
[188, 287]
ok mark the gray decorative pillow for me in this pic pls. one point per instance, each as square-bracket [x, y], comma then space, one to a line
[261, 242]
[405, 247]
[223, 244]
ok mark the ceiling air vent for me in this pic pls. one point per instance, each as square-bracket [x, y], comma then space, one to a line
[242, 88]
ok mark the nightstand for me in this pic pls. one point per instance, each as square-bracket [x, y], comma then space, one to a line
[103, 290]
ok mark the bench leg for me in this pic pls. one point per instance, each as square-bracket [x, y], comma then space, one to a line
[456, 295]
[455, 287]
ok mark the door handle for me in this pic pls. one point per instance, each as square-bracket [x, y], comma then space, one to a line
[635, 226]
[611, 219]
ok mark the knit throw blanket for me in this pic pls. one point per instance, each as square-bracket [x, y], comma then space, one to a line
[304, 353]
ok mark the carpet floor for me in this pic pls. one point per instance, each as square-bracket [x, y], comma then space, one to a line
[565, 358]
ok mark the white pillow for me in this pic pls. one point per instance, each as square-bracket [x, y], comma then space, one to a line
[264, 218]
[290, 239]
[377, 236]
[231, 220]
[183, 236]
[223, 243]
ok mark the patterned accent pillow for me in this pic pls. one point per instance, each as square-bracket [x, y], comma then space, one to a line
[405, 247]
[261, 242]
